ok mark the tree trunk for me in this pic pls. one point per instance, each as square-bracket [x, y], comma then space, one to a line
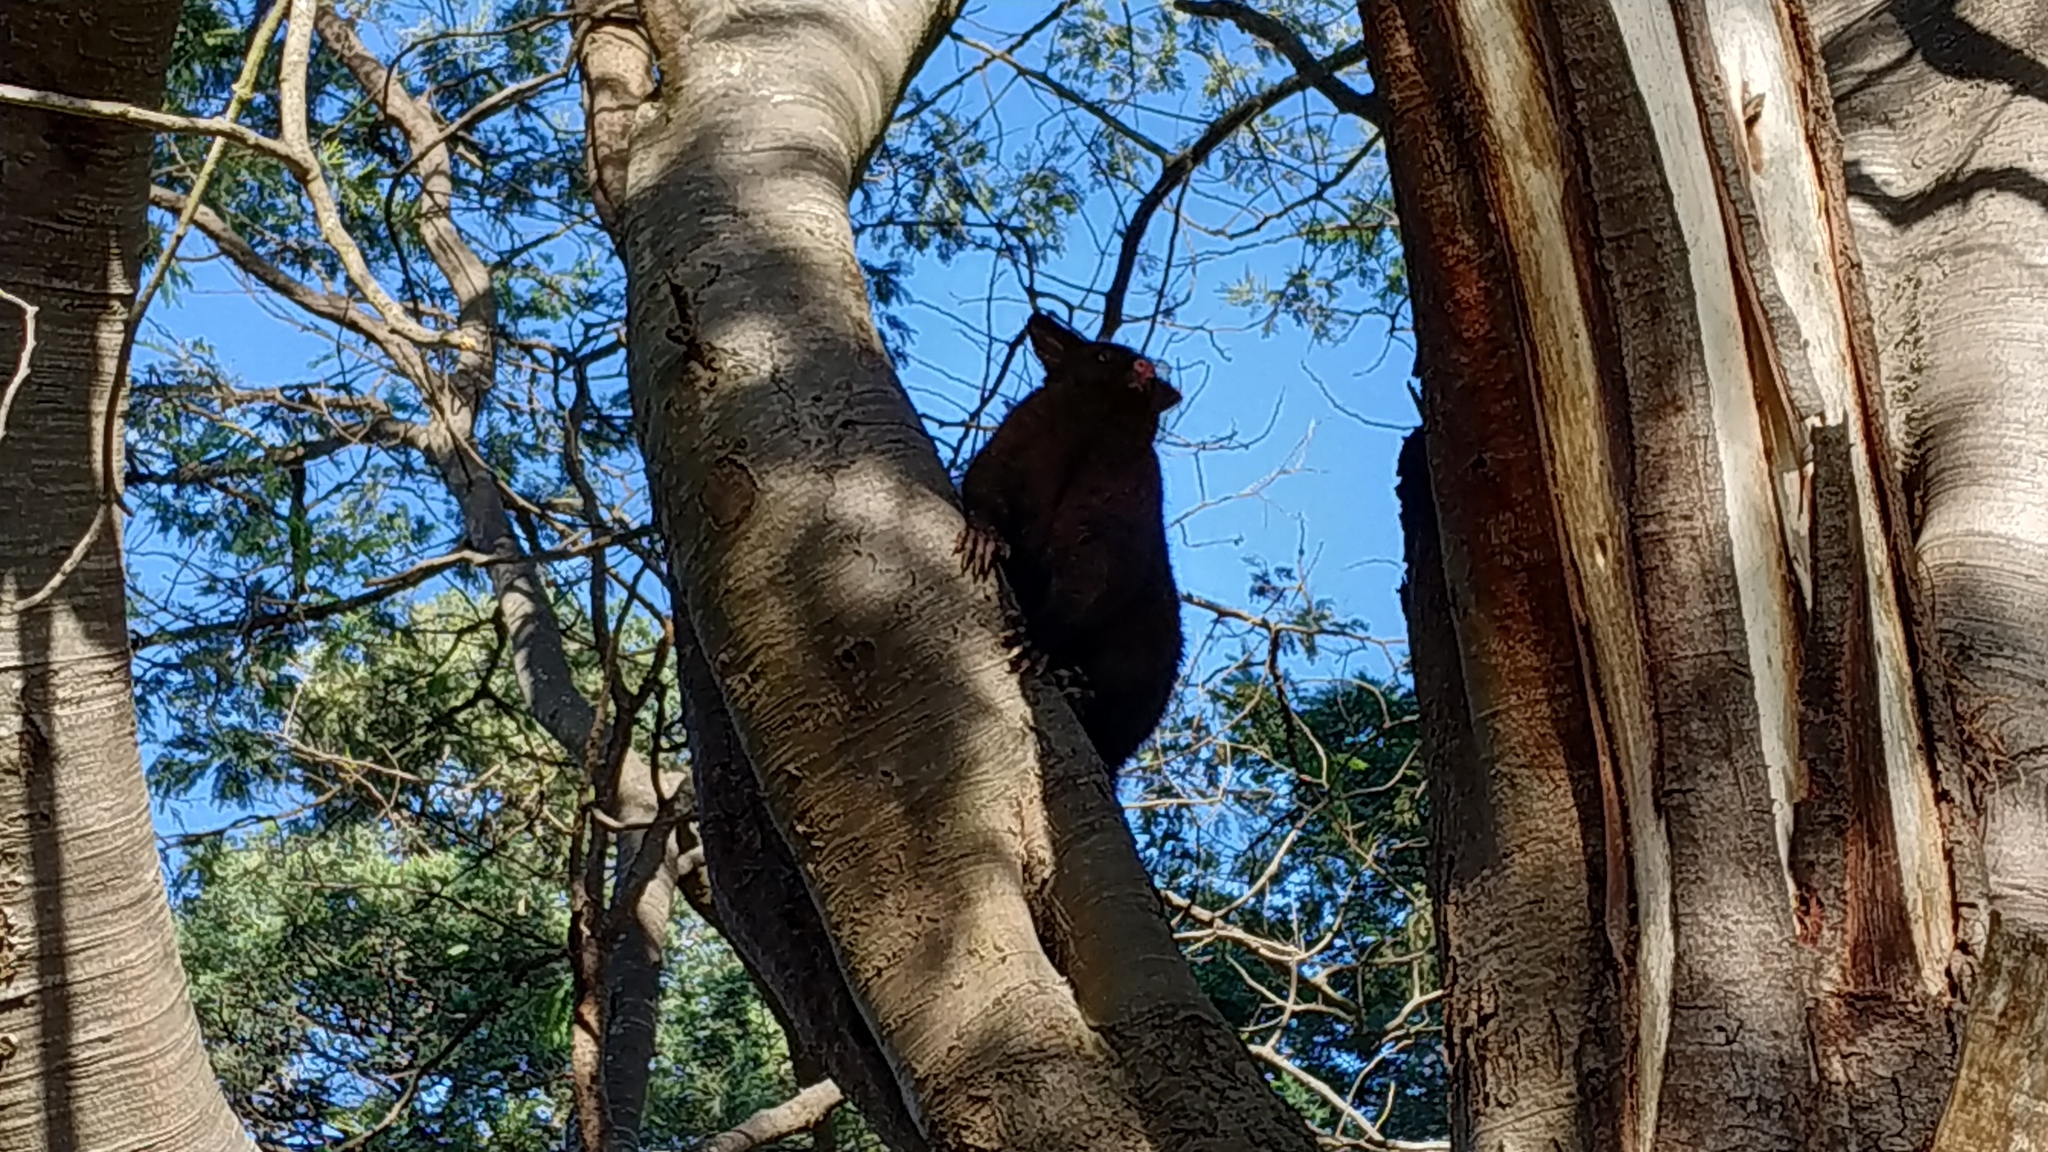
[957, 842]
[1708, 864]
[99, 1047]
[761, 907]
[1943, 113]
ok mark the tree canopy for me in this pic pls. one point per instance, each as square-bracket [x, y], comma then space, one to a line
[374, 882]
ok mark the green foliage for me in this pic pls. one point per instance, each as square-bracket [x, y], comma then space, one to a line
[720, 1055]
[519, 172]
[1012, 138]
[383, 958]
[349, 985]
[392, 958]
[345, 977]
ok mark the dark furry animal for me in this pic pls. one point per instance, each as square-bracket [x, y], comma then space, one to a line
[1066, 498]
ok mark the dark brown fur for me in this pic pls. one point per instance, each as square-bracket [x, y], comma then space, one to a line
[1066, 498]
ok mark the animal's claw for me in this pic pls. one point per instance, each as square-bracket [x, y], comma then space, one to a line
[980, 548]
[1024, 658]
[1072, 684]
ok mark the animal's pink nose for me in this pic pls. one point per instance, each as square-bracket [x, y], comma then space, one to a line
[1143, 371]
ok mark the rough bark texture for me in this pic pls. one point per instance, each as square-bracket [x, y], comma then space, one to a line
[99, 1048]
[981, 896]
[768, 916]
[1943, 109]
[1999, 1094]
[760, 903]
[1462, 820]
[1523, 864]
[1942, 117]
[811, 527]
[1662, 506]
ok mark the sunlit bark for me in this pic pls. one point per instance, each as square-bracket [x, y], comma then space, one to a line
[99, 1047]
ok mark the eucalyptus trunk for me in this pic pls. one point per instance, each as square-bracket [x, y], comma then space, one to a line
[1705, 692]
[99, 1046]
[972, 894]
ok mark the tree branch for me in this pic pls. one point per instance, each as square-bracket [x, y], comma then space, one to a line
[245, 87]
[1367, 106]
[466, 272]
[617, 64]
[325, 305]
[383, 430]
[292, 100]
[381, 588]
[1077, 99]
[773, 1123]
[1184, 164]
[157, 121]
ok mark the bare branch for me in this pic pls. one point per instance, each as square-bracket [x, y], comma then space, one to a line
[1077, 99]
[617, 63]
[1334, 1099]
[909, 113]
[146, 118]
[383, 430]
[298, 52]
[381, 588]
[467, 274]
[71, 562]
[245, 87]
[325, 305]
[788, 1118]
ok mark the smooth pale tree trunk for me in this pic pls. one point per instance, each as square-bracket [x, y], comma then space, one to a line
[761, 904]
[99, 1047]
[958, 844]
[1707, 771]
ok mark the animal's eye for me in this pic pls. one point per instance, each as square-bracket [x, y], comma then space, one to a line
[1102, 357]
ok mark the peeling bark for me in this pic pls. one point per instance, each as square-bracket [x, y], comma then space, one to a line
[1664, 503]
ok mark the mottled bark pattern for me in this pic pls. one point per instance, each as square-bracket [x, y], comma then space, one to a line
[767, 915]
[946, 827]
[1943, 108]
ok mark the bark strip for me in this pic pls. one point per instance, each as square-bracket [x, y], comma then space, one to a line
[1535, 1008]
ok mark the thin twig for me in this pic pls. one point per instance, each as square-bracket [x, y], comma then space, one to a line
[1183, 165]
[293, 119]
[1367, 106]
[21, 363]
[245, 87]
[770, 1124]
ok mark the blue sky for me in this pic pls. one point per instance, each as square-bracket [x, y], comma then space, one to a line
[1314, 429]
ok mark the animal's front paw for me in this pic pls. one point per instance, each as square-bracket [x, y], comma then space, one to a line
[980, 548]
[1023, 657]
[1072, 684]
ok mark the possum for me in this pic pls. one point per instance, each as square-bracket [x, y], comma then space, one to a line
[1066, 500]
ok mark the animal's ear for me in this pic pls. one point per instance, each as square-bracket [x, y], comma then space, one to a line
[1053, 341]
